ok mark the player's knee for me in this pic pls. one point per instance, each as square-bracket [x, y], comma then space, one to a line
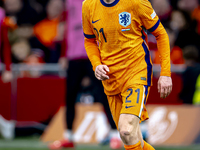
[128, 129]
[128, 136]
[125, 136]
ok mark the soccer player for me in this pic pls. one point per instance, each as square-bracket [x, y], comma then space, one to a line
[116, 44]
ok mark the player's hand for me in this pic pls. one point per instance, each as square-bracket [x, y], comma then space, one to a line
[7, 76]
[101, 72]
[164, 86]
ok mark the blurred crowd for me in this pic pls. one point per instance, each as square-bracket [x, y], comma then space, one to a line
[34, 31]
[181, 18]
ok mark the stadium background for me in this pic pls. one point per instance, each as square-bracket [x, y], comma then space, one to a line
[34, 99]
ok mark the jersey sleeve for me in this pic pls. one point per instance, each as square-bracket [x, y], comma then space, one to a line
[147, 15]
[87, 29]
[152, 23]
[163, 49]
[90, 43]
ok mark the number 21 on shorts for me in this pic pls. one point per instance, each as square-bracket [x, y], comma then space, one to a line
[130, 93]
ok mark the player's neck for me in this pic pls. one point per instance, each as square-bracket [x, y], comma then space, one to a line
[108, 1]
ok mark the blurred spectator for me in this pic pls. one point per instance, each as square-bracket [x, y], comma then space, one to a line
[190, 54]
[196, 97]
[196, 16]
[20, 20]
[176, 52]
[22, 53]
[13, 7]
[5, 51]
[39, 6]
[163, 10]
[50, 31]
[180, 20]
[187, 5]
[183, 25]
[21, 12]
[20, 50]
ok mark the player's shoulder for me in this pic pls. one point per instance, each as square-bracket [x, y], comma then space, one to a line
[135, 3]
[88, 3]
[139, 2]
[85, 4]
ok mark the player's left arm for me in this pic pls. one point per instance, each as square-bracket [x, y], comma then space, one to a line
[151, 22]
[165, 81]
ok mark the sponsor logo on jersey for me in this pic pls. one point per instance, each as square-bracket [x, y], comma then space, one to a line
[129, 106]
[95, 21]
[125, 19]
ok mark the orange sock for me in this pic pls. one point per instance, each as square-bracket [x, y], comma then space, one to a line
[133, 147]
[147, 146]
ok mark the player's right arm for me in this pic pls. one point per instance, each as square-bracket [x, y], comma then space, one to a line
[91, 46]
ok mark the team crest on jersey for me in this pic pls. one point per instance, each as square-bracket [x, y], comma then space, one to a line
[125, 19]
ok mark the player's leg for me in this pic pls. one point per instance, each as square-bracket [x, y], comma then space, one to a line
[140, 136]
[128, 128]
[133, 111]
[145, 145]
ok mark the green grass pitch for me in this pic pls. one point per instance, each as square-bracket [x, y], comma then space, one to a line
[35, 144]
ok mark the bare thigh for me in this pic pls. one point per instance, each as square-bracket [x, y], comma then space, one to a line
[129, 129]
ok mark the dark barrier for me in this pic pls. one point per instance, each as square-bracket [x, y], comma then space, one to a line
[37, 99]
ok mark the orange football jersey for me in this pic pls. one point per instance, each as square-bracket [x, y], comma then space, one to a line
[119, 29]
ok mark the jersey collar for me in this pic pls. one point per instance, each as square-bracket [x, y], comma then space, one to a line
[109, 5]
